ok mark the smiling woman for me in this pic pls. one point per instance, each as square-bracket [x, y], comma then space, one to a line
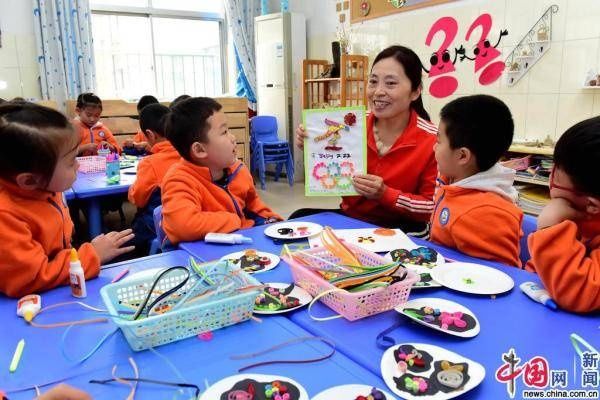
[397, 190]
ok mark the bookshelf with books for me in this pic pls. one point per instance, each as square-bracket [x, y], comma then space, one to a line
[533, 165]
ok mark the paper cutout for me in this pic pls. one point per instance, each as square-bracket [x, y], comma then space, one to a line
[251, 262]
[411, 359]
[383, 238]
[455, 321]
[274, 299]
[384, 232]
[375, 394]
[334, 150]
[249, 389]
[420, 256]
[440, 61]
[484, 53]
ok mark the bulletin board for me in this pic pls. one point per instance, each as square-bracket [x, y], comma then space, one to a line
[381, 8]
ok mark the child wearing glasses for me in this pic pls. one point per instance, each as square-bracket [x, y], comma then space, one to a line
[565, 250]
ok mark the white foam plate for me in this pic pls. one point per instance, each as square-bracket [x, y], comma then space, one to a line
[472, 278]
[349, 392]
[313, 229]
[389, 370]
[370, 239]
[215, 391]
[442, 305]
[302, 295]
[239, 254]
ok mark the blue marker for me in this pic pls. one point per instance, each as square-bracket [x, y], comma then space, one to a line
[535, 292]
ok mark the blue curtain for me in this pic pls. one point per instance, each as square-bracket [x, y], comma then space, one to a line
[64, 48]
[240, 16]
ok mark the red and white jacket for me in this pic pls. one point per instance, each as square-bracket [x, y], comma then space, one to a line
[409, 171]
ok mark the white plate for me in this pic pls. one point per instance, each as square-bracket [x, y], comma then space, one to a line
[444, 306]
[215, 391]
[313, 229]
[302, 295]
[420, 269]
[349, 392]
[237, 255]
[377, 240]
[389, 370]
[472, 278]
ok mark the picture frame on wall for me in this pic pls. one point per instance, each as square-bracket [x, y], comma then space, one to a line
[361, 10]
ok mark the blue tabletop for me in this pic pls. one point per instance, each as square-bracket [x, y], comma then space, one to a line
[196, 360]
[69, 194]
[92, 185]
[511, 320]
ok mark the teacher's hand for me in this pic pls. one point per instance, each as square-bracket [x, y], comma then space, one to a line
[300, 136]
[369, 186]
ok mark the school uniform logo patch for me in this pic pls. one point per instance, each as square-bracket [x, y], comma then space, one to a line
[101, 134]
[444, 216]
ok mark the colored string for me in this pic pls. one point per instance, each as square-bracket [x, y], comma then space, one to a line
[576, 340]
[133, 385]
[383, 341]
[314, 300]
[284, 344]
[169, 292]
[94, 349]
[69, 323]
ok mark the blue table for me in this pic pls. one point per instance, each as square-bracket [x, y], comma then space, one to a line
[69, 194]
[92, 187]
[509, 321]
[196, 360]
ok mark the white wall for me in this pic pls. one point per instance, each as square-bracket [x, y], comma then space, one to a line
[546, 101]
[18, 64]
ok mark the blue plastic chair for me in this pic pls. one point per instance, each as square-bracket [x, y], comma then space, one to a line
[528, 226]
[267, 148]
[161, 243]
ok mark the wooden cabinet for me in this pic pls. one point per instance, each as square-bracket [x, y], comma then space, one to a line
[319, 91]
[121, 118]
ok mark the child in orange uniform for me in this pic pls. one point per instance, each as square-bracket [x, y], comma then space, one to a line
[145, 192]
[93, 133]
[565, 251]
[209, 190]
[139, 144]
[475, 209]
[37, 163]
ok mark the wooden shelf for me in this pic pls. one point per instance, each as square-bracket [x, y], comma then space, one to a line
[322, 80]
[520, 148]
[533, 181]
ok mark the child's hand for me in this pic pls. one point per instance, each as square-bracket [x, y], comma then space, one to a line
[128, 143]
[90, 147]
[300, 136]
[557, 211]
[109, 246]
[110, 146]
[64, 392]
[141, 146]
[369, 186]
[272, 219]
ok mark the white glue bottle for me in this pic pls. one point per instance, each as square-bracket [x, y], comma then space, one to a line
[535, 292]
[77, 276]
[228, 238]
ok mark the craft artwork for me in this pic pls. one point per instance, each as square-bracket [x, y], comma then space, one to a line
[249, 389]
[274, 299]
[454, 321]
[375, 394]
[375, 240]
[292, 230]
[420, 370]
[334, 150]
[353, 392]
[420, 256]
[253, 261]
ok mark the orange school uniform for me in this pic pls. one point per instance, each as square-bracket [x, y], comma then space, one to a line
[35, 235]
[95, 134]
[194, 205]
[478, 216]
[566, 256]
[151, 171]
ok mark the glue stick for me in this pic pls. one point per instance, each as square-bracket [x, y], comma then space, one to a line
[28, 306]
[228, 238]
[77, 276]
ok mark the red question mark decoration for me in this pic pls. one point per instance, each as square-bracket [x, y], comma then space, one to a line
[484, 52]
[441, 60]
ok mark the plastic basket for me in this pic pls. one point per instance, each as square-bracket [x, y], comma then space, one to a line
[92, 164]
[518, 164]
[351, 305]
[220, 310]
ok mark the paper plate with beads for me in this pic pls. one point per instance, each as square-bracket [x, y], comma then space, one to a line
[420, 260]
[442, 315]
[472, 278]
[353, 392]
[253, 261]
[278, 297]
[255, 387]
[423, 371]
[292, 230]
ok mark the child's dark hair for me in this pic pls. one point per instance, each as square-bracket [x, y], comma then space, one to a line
[153, 117]
[31, 139]
[413, 68]
[187, 123]
[577, 153]
[144, 101]
[482, 124]
[179, 99]
[88, 100]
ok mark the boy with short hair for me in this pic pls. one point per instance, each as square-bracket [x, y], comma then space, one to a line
[209, 190]
[475, 209]
[565, 250]
[139, 145]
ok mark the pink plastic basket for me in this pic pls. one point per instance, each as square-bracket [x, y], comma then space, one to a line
[92, 164]
[351, 306]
